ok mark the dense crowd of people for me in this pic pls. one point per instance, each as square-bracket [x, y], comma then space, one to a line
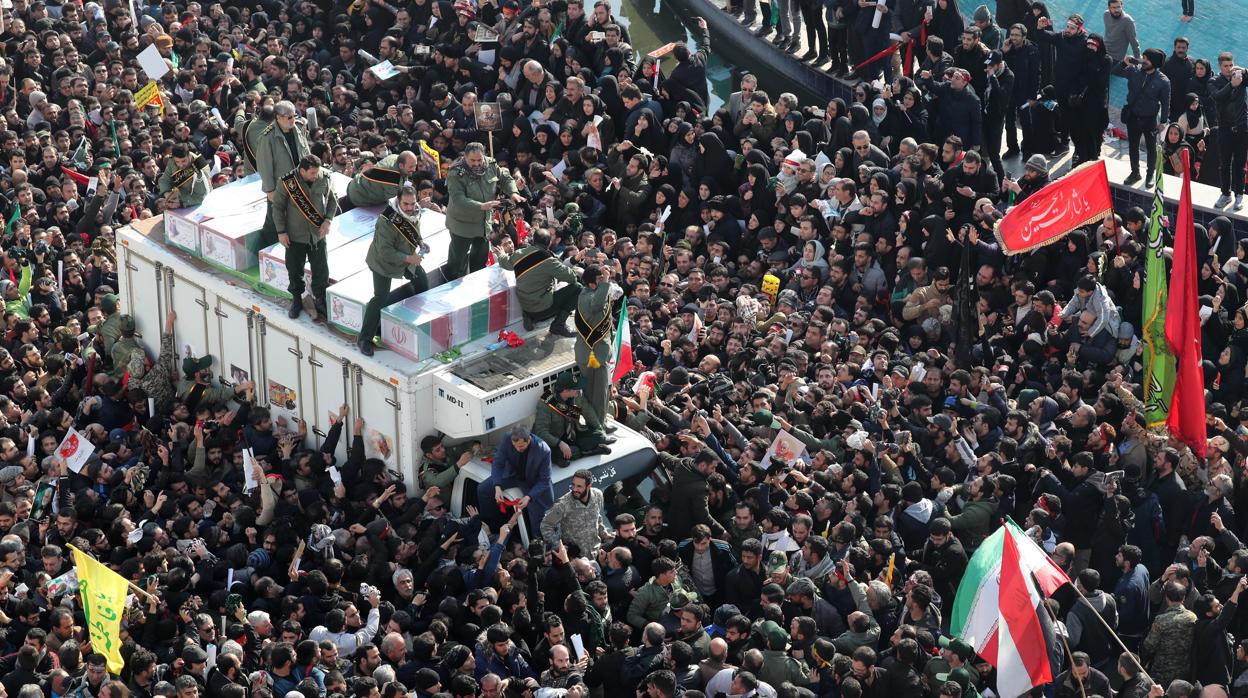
[827, 270]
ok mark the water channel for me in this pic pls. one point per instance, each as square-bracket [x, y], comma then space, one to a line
[653, 23]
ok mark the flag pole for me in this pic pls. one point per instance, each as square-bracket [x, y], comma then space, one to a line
[1071, 655]
[1110, 630]
[133, 587]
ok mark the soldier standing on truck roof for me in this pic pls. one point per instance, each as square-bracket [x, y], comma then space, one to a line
[252, 131]
[187, 175]
[282, 144]
[537, 270]
[473, 185]
[302, 210]
[376, 184]
[396, 252]
[594, 334]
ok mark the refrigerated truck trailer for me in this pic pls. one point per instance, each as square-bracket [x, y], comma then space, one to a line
[306, 370]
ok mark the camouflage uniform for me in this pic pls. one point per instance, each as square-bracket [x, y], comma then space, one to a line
[1167, 650]
[570, 520]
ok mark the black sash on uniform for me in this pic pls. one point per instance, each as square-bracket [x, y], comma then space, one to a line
[405, 226]
[302, 201]
[194, 395]
[247, 151]
[528, 262]
[383, 175]
[185, 174]
[592, 334]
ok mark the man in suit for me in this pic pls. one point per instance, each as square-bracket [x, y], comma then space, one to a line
[521, 461]
[741, 99]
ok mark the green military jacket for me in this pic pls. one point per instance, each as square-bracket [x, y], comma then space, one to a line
[378, 185]
[555, 418]
[110, 331]
[120, 353]
[536, 270]
[467, 191]
[192, 182]
[273, 156]
[395, 236]
[591, 312]
[251, 135]
[209, 395]
[290, 209]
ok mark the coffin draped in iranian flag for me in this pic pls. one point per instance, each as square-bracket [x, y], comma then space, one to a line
[475, 306]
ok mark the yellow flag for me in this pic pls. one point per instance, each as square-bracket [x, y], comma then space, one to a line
[103, 599]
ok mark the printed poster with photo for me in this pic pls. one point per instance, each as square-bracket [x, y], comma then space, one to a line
[784, 450]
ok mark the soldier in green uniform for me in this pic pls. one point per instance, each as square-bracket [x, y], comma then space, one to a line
[124, 347]
[594, 334]
[376, 184]
[251, 133]
[569, 424]
[473, 184]
[537, 270]
[396, 252]
[439, 465]
[302, 210]
[187, 175]
[110, 329]
[197, 389]
[281, 145]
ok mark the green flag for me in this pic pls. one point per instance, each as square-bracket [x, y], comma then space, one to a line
[15, 214]
[1158, 361]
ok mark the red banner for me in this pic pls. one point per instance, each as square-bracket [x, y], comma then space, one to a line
[1078, 199]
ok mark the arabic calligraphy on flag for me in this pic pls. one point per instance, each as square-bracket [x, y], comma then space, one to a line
[1080, 198]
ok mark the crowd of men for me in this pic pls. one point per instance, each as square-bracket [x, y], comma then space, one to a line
[827, 270]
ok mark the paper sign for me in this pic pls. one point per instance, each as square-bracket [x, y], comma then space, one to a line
[667, 212]
[384, 70]
[335, 474]
[486, 56]
[75, 449]
[30, 445]
[579, 645]
[784, 449]
[153, 63]
[558, 169]
[249, 470]
[65, 584]
[662, 50]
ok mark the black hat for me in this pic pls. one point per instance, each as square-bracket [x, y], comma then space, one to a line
[995, 57]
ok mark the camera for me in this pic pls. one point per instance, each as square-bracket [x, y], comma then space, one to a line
[41, 248]
[505, 203]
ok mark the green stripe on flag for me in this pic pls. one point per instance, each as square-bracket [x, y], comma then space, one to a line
[986, 559]
[1159, 365]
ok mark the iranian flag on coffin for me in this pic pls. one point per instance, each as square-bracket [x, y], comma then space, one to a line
[997, 610]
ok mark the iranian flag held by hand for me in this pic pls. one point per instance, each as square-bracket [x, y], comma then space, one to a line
[622, 352]
[997, 610]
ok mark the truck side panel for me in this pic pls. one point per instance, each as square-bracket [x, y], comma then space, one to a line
[141, 280]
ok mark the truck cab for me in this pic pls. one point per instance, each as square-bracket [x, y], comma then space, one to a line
[631, 454]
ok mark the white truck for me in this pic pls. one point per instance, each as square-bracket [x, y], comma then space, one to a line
[306, 370]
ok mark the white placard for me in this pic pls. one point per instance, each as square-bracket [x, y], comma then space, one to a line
[579, 645]
[558, 169]
[153, 63]
[75, 449]
[335, 474]
[486, 56]
[384, 70]
[249, 465]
